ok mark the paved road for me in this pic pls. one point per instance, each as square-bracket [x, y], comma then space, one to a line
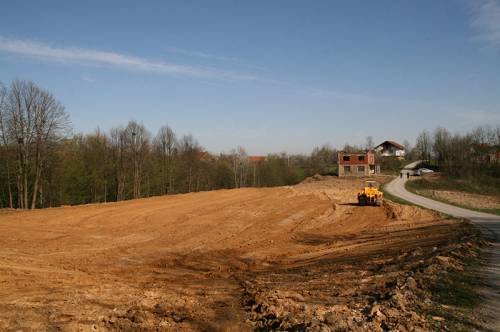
[489, 225]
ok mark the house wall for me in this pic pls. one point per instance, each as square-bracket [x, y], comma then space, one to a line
[389, 150]
[354, 170]
[357, 166]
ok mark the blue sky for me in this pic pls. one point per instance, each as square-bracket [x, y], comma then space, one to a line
[270, 76]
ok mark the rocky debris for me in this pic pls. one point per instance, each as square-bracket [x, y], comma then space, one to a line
[142, 318]
[394, 306]
[162, 310]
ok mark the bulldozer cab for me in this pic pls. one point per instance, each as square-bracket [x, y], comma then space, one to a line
[371, 184]
[370, 195]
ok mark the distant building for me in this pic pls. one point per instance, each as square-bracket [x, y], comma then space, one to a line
[390, 149]
[486, 154]
[256, 159]
[357, 164]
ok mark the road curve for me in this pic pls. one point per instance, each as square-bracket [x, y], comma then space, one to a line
[488, 224]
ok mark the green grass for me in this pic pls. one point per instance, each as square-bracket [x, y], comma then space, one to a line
[423, 187]
[391, 165]
[474, 185]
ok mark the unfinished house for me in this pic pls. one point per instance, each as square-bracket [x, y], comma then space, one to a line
[357, 164]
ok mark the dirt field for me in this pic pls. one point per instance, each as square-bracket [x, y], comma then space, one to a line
[290, 257]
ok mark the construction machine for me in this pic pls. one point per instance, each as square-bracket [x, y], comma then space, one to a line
[370, 195]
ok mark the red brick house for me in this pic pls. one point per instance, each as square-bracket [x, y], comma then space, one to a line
[357, 164]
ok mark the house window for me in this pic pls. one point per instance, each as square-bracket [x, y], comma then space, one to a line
[361, 169]
[347, 169]
[346, 158]
[361, 158]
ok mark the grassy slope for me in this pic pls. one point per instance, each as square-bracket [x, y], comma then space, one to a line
[424, 187]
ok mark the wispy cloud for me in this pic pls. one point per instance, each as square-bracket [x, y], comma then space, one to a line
[479, 117]
[486, 20]
[88, 78]
[209, 56]
[97, 57]
[201, 54]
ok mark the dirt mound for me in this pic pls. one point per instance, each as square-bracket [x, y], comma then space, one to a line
[316, 178]
[274, 258]
[407, 212]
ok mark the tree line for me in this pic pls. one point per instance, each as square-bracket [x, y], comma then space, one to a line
[43, 165]
[474, 155]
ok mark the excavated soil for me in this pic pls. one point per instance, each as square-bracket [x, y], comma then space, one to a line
[301, 257]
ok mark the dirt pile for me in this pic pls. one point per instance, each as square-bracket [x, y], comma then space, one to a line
[383, 293]
[316, 178]
[303, 257]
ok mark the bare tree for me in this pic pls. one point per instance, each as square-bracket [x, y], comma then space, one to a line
[165, 143]
[408, 148]
[351, 148]
[137, 140]
[441, 145]
[118, 156]
[3, 138]
[33, 120]
[369, 145]
[96, 149]
[239, 159]
[190, 151]
[423, 145]
[321, 160]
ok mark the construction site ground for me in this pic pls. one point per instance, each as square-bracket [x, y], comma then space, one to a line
[298, 257]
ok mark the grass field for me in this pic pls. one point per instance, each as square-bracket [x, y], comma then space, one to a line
[476, 194]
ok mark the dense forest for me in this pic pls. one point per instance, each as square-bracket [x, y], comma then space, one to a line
[43, 164]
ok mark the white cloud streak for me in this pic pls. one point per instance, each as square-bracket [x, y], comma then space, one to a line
[208, 56]
[201, 54]
[89, 56]
[486, 20]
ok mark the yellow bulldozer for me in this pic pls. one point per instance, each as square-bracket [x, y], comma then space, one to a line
[370, 195]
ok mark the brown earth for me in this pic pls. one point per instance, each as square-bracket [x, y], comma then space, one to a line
[301, 257]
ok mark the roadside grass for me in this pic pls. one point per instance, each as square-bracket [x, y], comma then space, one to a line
[424, 187]
[474, 185]
[454, 296]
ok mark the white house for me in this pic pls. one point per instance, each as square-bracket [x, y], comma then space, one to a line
[390, 149]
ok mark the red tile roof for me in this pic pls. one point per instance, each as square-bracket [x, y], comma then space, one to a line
[399, 146]
[256, 159]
